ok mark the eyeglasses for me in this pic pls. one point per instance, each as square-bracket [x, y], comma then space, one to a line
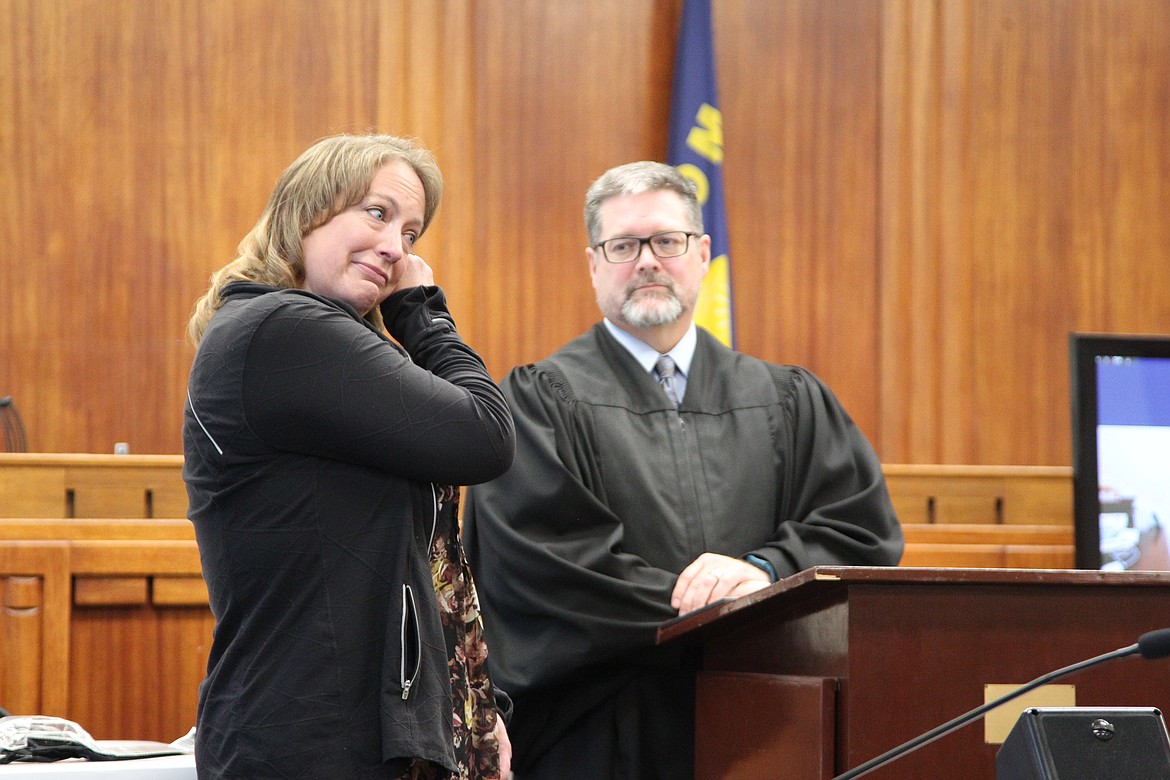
[664, 245]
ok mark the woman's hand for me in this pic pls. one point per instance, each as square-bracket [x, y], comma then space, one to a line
[505, 748]
[414, 273]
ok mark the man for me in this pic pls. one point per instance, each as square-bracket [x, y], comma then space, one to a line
[623, 509]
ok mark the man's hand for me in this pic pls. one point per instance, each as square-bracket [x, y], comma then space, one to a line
[711, 577]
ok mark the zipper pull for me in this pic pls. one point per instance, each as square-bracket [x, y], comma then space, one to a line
[406, 689]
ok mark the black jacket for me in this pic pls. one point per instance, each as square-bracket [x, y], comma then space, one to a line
[311, 444]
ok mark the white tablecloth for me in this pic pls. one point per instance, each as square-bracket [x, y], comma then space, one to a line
[162, 768]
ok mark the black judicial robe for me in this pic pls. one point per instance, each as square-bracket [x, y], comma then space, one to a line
[613, 492]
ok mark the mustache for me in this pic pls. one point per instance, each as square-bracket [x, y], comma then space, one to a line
[650, 278]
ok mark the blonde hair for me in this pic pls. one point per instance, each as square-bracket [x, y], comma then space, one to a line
[328, 177]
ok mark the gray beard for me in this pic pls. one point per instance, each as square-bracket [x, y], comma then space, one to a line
[652, 312]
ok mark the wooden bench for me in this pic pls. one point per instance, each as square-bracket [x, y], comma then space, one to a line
[985, 533]
[999, 495]
[984, 545]
[84, 485]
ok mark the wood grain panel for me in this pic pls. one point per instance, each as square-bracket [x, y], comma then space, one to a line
[65, 529]
[133, 556]
[137, 669]
[91, 486]
[120, 665]
[34, 627]
[120, 491]
[32, 491]
[1023, 182]
[799, 87]
[110, 591]
[563, 91]
[924, 198]
[147, 138]
[426, 82]
[782, 720]
[982, 494]
[21, 615]
[985, 533]
[178, 591]
[989, 556]
[929, 493]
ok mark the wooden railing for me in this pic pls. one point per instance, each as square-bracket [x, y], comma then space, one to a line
[85, 485]
[104, 613]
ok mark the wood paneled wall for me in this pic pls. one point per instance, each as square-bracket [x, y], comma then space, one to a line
[924, 198]
[1024, 176]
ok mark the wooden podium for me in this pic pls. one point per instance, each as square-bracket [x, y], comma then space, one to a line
[831, 667]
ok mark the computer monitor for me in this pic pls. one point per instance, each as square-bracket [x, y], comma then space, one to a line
[1121, 450]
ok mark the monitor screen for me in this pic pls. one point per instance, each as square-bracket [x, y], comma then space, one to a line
[1121, 451]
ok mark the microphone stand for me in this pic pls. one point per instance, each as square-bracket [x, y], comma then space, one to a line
[964, 719]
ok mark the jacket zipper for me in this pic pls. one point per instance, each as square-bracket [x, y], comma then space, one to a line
[436, 507]
[410, 631]
[410, 642]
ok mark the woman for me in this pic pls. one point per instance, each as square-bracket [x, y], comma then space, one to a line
[320, 460]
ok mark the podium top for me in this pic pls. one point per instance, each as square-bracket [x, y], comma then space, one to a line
[825, 581]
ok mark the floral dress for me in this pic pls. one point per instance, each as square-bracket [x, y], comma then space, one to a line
[473, 700]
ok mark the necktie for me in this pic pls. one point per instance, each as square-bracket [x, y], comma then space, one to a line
[665, 369]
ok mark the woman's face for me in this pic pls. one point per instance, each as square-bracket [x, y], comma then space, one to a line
[354, 257]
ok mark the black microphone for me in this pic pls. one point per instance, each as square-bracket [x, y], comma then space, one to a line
[1150, 645]
[1154, 644]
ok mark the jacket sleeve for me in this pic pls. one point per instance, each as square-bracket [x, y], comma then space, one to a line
[319, 382]
[557, 591]
[834, 508]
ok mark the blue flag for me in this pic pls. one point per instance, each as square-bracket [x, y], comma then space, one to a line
[696, 149]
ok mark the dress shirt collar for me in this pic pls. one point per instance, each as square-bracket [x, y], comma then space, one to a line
[682, 353]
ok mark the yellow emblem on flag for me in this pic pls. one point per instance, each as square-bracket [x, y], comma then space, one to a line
[713, 310]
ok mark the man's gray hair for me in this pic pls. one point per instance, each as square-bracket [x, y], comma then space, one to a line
[634, 179]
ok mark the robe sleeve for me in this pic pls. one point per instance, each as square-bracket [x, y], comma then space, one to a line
[557, 590]
[835, 509]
